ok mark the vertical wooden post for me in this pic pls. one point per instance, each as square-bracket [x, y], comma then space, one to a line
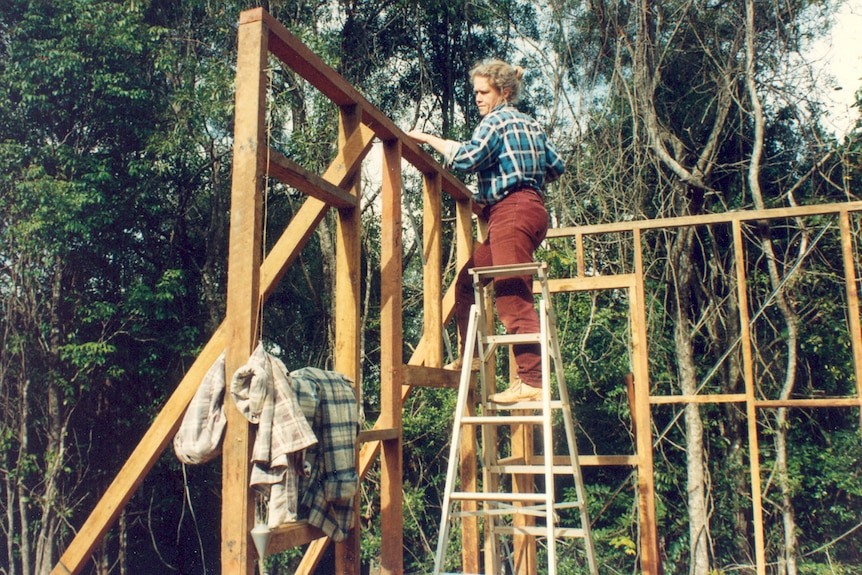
[750, 407]
[650, 561]
[347, 316]
[852, 298]
[243, 289]
[391, 361]
[468, 462]
[432, 243]
[524, 546]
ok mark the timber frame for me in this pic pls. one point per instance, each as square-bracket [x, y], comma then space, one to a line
[252, 278]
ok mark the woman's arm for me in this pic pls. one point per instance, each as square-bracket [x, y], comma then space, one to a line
[439, 144]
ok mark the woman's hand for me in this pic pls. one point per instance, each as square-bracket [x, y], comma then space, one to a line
[418, 136]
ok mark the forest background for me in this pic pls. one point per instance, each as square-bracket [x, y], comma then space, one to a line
[115, 159]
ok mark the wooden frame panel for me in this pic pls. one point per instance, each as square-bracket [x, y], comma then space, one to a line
[252, 278]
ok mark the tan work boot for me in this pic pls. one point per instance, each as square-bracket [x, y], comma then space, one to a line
[459, 363]
[517, 392]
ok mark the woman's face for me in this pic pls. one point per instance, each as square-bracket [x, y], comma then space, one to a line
[487, 96]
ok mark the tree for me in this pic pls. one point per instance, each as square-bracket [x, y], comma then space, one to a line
[678, 127]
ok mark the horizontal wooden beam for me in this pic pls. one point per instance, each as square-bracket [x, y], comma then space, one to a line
[812, 402]
[294, 534]
[704, 398]
[761, 403]
[587, 283]
[377, 434]
[289, 172]
[583, 460]
[421, 376]
[706, 219]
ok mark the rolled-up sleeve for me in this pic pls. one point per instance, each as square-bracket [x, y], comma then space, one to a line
[481, 151]
[555, 164]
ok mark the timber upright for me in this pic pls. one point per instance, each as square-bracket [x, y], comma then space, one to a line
[510, 514]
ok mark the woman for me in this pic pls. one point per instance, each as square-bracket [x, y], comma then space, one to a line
[513, 160]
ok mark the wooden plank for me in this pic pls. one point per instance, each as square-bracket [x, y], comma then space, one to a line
[579, 254]
[852, 299]
[293, 535]
[432, 277]
[588, 283]
[378, 434]
[345, 167]
[289, 172]
[421, 376]
[649, 545]
[243, 291]
[809, 403]
[391, 305]
[706, 219]
[705, 398]
[751, 411]
[524, 546]
[565, 462]
[347, 299]
[313, 554]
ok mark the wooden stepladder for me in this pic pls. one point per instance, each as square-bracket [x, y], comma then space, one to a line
[505, 508]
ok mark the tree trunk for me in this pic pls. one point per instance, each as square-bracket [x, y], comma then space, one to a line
[55, 451]
[688, 381]
[789, 316]
[23, 453]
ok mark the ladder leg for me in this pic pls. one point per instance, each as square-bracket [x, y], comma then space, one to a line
[569, 424]
[548, 442]
[454, 447]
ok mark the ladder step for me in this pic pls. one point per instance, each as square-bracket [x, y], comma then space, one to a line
[503, 497]
[571, 532]
[510, 338]
[529, 469]
[502, 419]
[506, 270]
[518, 405]
[555, 404]
[540, 510]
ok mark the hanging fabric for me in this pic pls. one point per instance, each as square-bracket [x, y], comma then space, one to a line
[199, 437]
[262, 393]
[328, 400]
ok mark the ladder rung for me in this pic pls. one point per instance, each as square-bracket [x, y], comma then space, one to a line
[530, 469]
[522, 269]
[555, 404]
[514, 497]
[510, 338]
[540, 510]
[502, 419]
[531, 510]
[518, 405]
[540, 531]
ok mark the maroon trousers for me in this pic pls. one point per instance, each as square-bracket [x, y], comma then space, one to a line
[516, 227]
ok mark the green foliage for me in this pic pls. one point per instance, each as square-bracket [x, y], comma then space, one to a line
[115, 141]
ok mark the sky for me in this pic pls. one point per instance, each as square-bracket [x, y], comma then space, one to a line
[841, 59]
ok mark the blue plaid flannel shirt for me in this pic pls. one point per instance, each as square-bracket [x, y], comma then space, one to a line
[508, 150]
[328, 401]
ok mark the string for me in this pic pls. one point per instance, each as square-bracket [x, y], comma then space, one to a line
[268, 112]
